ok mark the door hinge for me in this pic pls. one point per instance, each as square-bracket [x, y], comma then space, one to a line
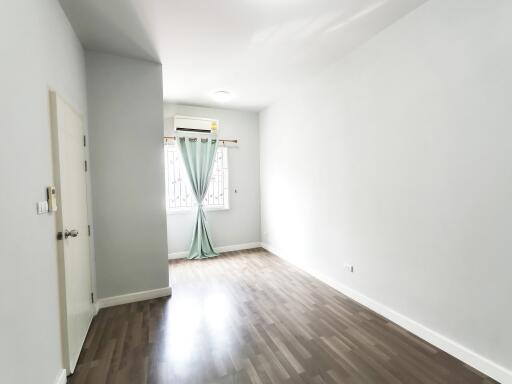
[92, 297]
[89, 230]
[85, 141]
[85, 162]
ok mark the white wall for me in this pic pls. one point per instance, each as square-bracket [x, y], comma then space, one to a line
[241, 223]
[39, 51]
[398, 160]
[127, 169]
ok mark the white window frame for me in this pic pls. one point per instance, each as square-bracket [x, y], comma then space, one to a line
[187, 209]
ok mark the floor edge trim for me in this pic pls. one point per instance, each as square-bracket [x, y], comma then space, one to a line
[111, 301]
[225, 248]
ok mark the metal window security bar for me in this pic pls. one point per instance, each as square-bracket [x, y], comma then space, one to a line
[178, 191]
[179, 196]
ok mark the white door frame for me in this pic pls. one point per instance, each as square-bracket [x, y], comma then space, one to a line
[69, 364]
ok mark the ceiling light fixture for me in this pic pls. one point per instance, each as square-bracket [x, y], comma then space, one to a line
[222, 96]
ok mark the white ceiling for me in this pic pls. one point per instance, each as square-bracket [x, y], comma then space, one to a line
[257, 49]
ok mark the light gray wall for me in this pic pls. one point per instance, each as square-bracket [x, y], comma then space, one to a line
[38, 51]
[398, 160]
[241, 223]
[127, 169]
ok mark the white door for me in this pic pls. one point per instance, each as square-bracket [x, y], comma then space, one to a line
[72, 227]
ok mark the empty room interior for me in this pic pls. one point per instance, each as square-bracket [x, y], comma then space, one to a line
[256, 192]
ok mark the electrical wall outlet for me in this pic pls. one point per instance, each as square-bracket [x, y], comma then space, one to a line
[349, 268]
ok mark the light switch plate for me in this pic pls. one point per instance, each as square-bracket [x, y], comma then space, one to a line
[42, 207]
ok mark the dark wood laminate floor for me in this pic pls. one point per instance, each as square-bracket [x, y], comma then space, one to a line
[249, 317]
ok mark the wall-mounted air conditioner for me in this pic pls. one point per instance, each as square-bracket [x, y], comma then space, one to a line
[201, 125]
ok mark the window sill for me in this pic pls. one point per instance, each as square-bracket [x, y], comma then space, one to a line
[184, 211]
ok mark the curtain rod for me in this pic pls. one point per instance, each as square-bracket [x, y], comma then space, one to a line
[234, 141]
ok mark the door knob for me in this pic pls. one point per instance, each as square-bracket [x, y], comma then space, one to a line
[72, 233]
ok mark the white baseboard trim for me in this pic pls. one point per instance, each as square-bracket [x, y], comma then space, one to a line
[132, 297]
[471, 358]
[61, 377]
[226, 248]
[177, 255]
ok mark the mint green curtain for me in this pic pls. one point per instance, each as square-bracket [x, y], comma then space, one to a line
[198, 156]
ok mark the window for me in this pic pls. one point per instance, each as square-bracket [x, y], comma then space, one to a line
[179, 195]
